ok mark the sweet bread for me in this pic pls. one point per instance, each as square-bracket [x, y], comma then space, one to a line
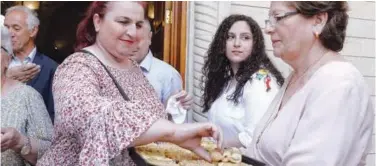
[235, 155]
[167, 154]
[208, 144]
[195, 163]
[162, 162]
[216, 156]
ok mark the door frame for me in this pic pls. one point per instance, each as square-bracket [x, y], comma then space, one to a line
[175, 36]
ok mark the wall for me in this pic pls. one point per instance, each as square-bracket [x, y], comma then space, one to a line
[204, 18]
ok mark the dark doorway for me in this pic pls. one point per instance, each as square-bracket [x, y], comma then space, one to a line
[58, 23]
[59, 20]
[156, 14]
[60, 34]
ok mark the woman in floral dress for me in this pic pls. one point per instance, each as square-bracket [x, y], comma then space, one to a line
[95, 122]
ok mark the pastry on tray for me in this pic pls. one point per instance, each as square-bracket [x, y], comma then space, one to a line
[167, 154]
[195, 163]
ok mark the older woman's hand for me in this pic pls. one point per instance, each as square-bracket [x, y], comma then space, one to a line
[189, 136]
[23, 73]
[11, 139]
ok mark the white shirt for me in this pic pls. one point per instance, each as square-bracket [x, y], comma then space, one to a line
[329, 122]
[239, 121]
[29, 59]
[165, 79]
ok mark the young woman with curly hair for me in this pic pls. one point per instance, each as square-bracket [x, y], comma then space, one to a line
[240, 80]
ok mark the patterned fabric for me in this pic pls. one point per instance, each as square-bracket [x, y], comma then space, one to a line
[24, 110]
[264, 75]
[94, 125]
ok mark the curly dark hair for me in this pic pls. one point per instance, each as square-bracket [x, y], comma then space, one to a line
[217, 68]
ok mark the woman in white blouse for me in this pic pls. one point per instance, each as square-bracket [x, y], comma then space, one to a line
[240, 80]
[323, 114]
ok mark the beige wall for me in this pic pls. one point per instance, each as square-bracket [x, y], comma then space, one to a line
[204, 18]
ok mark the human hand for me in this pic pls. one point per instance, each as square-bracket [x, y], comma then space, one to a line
[189, 137]
[23, 73]
[11, 139]
[185, 99]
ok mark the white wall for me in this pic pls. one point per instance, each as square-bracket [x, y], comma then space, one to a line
[205, 17]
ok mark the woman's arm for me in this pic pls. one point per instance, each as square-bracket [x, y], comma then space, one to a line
[185, 135]
[39, 128]
[34, 145]
[157, 132]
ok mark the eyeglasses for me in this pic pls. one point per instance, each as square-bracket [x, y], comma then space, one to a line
[273, 20]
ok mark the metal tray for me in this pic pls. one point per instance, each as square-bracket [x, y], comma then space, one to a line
[141, 162]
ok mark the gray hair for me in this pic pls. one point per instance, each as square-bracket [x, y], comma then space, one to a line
[6, 43]
[32, 20]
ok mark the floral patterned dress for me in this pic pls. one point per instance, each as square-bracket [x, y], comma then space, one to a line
[94, 125]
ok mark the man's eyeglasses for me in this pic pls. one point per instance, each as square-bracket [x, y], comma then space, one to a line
[273, 20]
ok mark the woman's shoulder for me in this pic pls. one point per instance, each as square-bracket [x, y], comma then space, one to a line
[79, 57]
[261, 74]
[78, 61]
[29, 90]
[339, 71]
[262, 82]
[25, 91]
[339, 74]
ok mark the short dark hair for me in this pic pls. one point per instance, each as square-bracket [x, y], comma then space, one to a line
[334, 33]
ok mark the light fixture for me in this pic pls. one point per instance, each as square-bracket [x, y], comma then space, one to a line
[151, 10]
[59, 44]
[33, 5]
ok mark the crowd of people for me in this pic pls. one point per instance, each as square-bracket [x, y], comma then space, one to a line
[112, 93]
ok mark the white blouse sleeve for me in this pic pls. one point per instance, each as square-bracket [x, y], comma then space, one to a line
[335, 127]
[257, 100]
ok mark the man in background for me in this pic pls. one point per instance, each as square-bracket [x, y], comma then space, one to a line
[165, 79]
[27, 64]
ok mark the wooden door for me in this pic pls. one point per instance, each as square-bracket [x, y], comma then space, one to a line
[174, 44]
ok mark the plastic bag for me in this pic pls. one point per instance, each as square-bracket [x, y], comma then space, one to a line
[175, 108]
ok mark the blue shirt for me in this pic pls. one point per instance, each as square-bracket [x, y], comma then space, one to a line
[29, 59]
[165, 79]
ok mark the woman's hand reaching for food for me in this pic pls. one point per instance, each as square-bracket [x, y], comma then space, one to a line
[189, 137]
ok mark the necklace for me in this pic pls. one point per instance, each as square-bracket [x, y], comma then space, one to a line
[306, 70]
[271, 118]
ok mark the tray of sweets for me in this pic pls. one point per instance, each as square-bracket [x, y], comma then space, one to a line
[167, 154]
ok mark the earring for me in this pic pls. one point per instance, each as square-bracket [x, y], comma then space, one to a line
[316, 34]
